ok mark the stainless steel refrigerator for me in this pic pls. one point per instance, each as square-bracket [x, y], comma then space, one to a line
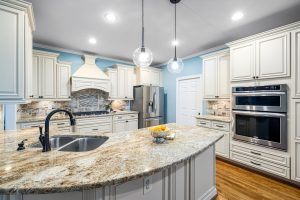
[149, 102]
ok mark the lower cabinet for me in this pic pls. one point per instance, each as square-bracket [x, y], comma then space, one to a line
[125, 123]
[94, 124]
[222, 146]
[295, 141]
[269, 160]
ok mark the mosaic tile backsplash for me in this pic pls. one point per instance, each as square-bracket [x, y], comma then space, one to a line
[84, 100]
[217, 107]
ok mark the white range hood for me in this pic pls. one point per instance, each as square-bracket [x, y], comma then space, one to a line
[89, 76]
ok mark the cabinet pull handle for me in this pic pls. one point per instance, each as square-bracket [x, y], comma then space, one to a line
[60, 124]
[95, 129]
[220, 126]
[34, 126]
[203, 123]
[31, 96]
[126, 121]
[255, 153]
[254, 163]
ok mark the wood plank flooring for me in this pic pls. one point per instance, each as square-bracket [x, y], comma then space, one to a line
[235, 183]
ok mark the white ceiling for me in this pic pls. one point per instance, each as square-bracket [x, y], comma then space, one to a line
[202, 24]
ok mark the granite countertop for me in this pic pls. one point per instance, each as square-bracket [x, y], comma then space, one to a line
[214, 118]
[123, 157]
[63, 117]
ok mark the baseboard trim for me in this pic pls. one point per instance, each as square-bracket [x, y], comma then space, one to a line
[210, 194]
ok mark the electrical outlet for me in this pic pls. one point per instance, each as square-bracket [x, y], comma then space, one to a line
[147, 184]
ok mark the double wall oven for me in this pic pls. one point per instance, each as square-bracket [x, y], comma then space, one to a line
[260, 115]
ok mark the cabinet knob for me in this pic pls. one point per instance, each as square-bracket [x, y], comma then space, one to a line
[253, 77]
[126, 121]
[256, 77]
[31, 96]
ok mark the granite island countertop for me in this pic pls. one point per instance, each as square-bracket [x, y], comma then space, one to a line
[123, 157]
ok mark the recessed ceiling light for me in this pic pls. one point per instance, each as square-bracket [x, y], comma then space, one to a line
[110, 17]
[175, 42]
[92, 40]
[237, 16]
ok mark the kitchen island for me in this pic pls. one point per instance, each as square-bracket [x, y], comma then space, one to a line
[127, 166]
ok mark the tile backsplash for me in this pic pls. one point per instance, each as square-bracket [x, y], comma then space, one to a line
[83, 100]
[217, 107]
[1, 118]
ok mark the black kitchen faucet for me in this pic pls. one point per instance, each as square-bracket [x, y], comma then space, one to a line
[44, 138]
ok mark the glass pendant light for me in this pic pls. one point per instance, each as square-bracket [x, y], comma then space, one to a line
[142, 56]
[175, 65]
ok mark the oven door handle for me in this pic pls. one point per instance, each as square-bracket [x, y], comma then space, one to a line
[258, 94]
[263, 114]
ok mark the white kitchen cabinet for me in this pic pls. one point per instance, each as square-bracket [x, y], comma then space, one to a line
[45, 76]
[222, 146]
[125, 122]
[148, 76]
[242, 61]
[295, 154]
[122, 81]
[63, 80]
[17, 24]
[273, 56]
[296, 63]
[260, 57]
[216, 75]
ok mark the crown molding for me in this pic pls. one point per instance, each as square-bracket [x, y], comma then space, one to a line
[80, 53]
[288, 27]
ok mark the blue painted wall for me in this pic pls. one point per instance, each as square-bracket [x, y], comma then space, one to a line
[77, 61]
[192, 66]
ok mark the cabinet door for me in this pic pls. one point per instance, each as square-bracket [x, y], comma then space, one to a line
[48, 78]
[11, 54]
[296, 63]
[273, 56]
[122, 71]
[28, 59]
[119, 126]
[129, 81]
[63, 81]
[145, 77]
[242, 62]
[113, 75]
[222, 146]
[132, 125]
[210, 77]
[295, 162]
[155, 78]
[35, 76]
[223, 77]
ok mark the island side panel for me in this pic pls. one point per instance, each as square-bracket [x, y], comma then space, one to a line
[192, 179]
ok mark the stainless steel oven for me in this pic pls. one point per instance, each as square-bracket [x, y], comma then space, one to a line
[260, 115]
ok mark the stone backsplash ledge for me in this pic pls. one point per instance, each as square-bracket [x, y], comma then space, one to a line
[81, 101]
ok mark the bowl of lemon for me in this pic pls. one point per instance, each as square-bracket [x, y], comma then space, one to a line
[159, 133]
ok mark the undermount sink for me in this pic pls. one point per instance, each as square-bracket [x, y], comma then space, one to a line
[74, 143]
[56, 142]
[84, 144]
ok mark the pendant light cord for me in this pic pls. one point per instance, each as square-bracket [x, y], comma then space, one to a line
[143, 45]
[175, 33]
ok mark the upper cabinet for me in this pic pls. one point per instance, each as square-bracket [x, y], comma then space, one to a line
[63, 89]
[148, 76]
[51, 80]
[296, 63]
[261, 58]
[17, 24]
[216, 75]
[122, 79]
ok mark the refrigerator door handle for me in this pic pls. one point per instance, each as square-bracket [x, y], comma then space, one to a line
[154, 103]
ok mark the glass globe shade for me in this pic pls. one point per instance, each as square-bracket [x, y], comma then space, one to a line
[175, 65]
[142, 57]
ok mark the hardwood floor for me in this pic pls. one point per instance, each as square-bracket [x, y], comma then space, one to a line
[235, 183]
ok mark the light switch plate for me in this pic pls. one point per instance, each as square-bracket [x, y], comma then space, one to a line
[147, 184]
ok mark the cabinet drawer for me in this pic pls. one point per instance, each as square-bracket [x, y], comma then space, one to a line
[125, 117]
[93, 120]
[220, 126]
[261, 164]
[32, 125]
[261, 155]
[204, 123]
[104, 128]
